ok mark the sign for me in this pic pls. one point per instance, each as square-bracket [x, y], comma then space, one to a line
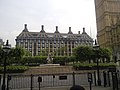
[39, 79]
[62, 77]
[90, 77]
[9, 77]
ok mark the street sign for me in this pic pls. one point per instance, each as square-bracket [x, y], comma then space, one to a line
[39, 79]
[90, 77]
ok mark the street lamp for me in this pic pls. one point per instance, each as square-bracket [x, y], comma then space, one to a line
[6, 49]
[96, 47]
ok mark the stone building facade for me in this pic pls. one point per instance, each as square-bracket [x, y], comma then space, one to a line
[56, 44]
[107, 13]
[114, 33]
[108, 24]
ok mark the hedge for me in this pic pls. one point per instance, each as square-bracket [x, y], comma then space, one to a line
[14, 69]
[79, 66]
[62, 60]
[36, 60]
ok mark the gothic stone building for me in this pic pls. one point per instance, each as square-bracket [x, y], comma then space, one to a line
[107, 13]
[108, 24]
[57, 44]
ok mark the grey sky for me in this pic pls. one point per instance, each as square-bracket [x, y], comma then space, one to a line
[50, 13]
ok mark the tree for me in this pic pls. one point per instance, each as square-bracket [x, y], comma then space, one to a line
[86, 53]
[105, 54]
[83, 53]
[14, 55]
[17, 53]
[1, 55]
[101, 53]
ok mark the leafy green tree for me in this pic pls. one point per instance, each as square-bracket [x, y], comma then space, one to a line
[86, 53]
[83, 53]
[13, 56]
[17, 53]
[1, 55]
[105, 54]
[101, 53]
[27, 53]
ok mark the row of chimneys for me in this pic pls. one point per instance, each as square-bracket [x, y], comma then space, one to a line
[42, 29]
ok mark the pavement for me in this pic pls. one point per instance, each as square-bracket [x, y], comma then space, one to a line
[68, 88]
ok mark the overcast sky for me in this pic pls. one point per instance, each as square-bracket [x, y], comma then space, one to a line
[50, 13]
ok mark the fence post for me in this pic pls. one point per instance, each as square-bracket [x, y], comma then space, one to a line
[105, 80]
[95, 78]
[31, 88]
[116, 78]
[8, 80]
[53, 79]
[113, 80]
[108, 75]
[0, 80]
[73, 78]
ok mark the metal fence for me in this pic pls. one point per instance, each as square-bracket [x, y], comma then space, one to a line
[51, 80]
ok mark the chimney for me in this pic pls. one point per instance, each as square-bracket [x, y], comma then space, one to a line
[78, 32]
[42, 27]
[25, 26]
[69, 29]
[83, 29]
[56, 28]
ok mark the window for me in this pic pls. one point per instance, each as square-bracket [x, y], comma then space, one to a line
[43, 41]
[47, 41]
[54, 41]
[38, 45]
[38, 41]
[43, 45]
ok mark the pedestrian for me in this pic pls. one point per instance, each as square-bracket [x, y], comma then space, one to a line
[77, 87]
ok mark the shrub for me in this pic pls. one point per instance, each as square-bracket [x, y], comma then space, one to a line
[36, 60]
[62, 60]
[14, 69]
[79, 66]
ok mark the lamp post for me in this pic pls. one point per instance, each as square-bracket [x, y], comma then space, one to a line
[6, 49]
[96, 47]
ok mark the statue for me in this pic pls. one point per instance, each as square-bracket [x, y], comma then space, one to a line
[49, 58]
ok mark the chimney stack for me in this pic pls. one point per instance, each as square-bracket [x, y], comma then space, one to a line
[42, 27]
[25, 26]
[56, 28]
[83, 29]
[69, 29]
